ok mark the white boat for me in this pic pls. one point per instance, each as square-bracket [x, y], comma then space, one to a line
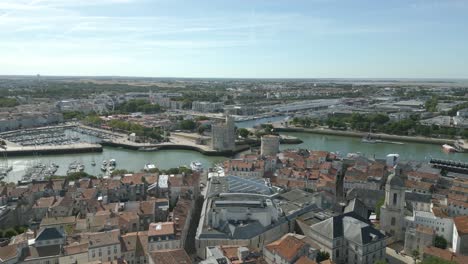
[112, 162]
[196, 166]
[448, 148]
[149, 166]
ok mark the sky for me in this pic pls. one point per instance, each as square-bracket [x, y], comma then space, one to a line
[235, 38]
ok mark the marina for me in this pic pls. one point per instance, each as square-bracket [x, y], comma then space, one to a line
[133, 160]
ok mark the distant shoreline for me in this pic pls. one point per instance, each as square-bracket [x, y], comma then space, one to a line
[397, 138]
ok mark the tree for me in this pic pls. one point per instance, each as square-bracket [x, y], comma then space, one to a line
[378, 205]
[200, 130]
[322, 255]
[380, 262]
[431, 104]
[440, 242]
[187, 124]
[10, 233]
[243, 132]
[415, 255]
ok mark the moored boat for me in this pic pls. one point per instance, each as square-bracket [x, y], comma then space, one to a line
[196, 166]
[448, 148]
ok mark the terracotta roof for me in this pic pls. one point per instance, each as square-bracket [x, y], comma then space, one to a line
[46, 221]
[439, 212]
[457, 203]
[100, 239]
[161, 229]
[319, 153]
[287, 247]
[46, 202]
[425, 229]
[75, 248]
[147, 207]
[445, 254]
[180, 212]
[461, 222]
[7, 253]
[305, 260]
[174, 256]
[129, 241]
[418, 185]
[423, 175]
[17, 191]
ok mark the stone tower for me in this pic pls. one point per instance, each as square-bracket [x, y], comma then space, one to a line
[269, 145]
[223, 136]
[392, 211]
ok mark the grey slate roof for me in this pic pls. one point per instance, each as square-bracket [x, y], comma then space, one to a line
[49, 233]
[395, 180]
[358, 207]
[418, 197]
[349, 225]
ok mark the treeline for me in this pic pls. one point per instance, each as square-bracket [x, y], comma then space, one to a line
[380, 123]
[8, 102]
[139, 130]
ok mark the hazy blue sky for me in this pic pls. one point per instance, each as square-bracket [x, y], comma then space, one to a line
[236, 38]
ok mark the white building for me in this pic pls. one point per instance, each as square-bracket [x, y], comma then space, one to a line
[162, 236]
[241, 212]
[460, 235]
[348, 238]
[441, 225]
[103, 246]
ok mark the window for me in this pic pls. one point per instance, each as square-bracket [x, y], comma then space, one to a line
[337, 253]
[393, 221]
[394, 199]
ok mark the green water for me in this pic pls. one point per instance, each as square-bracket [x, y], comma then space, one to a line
[135, 161]
[344, 145]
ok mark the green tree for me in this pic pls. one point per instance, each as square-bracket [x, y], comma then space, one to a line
[380, 262]
[187, 124]
[322, 255]
[378, 205]
[415, 255]
[10, 233]
[1, 233]
[243, 132]
[69, 115]
[8, 102]
[440, 242]
[431, 104]
[200, 130]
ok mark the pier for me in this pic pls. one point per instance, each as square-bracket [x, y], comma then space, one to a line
[450, 165]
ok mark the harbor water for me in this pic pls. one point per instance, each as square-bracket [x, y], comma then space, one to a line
[132, 160]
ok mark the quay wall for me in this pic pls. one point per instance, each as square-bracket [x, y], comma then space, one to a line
[51, 150]
[176, 146]
[416, 139]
